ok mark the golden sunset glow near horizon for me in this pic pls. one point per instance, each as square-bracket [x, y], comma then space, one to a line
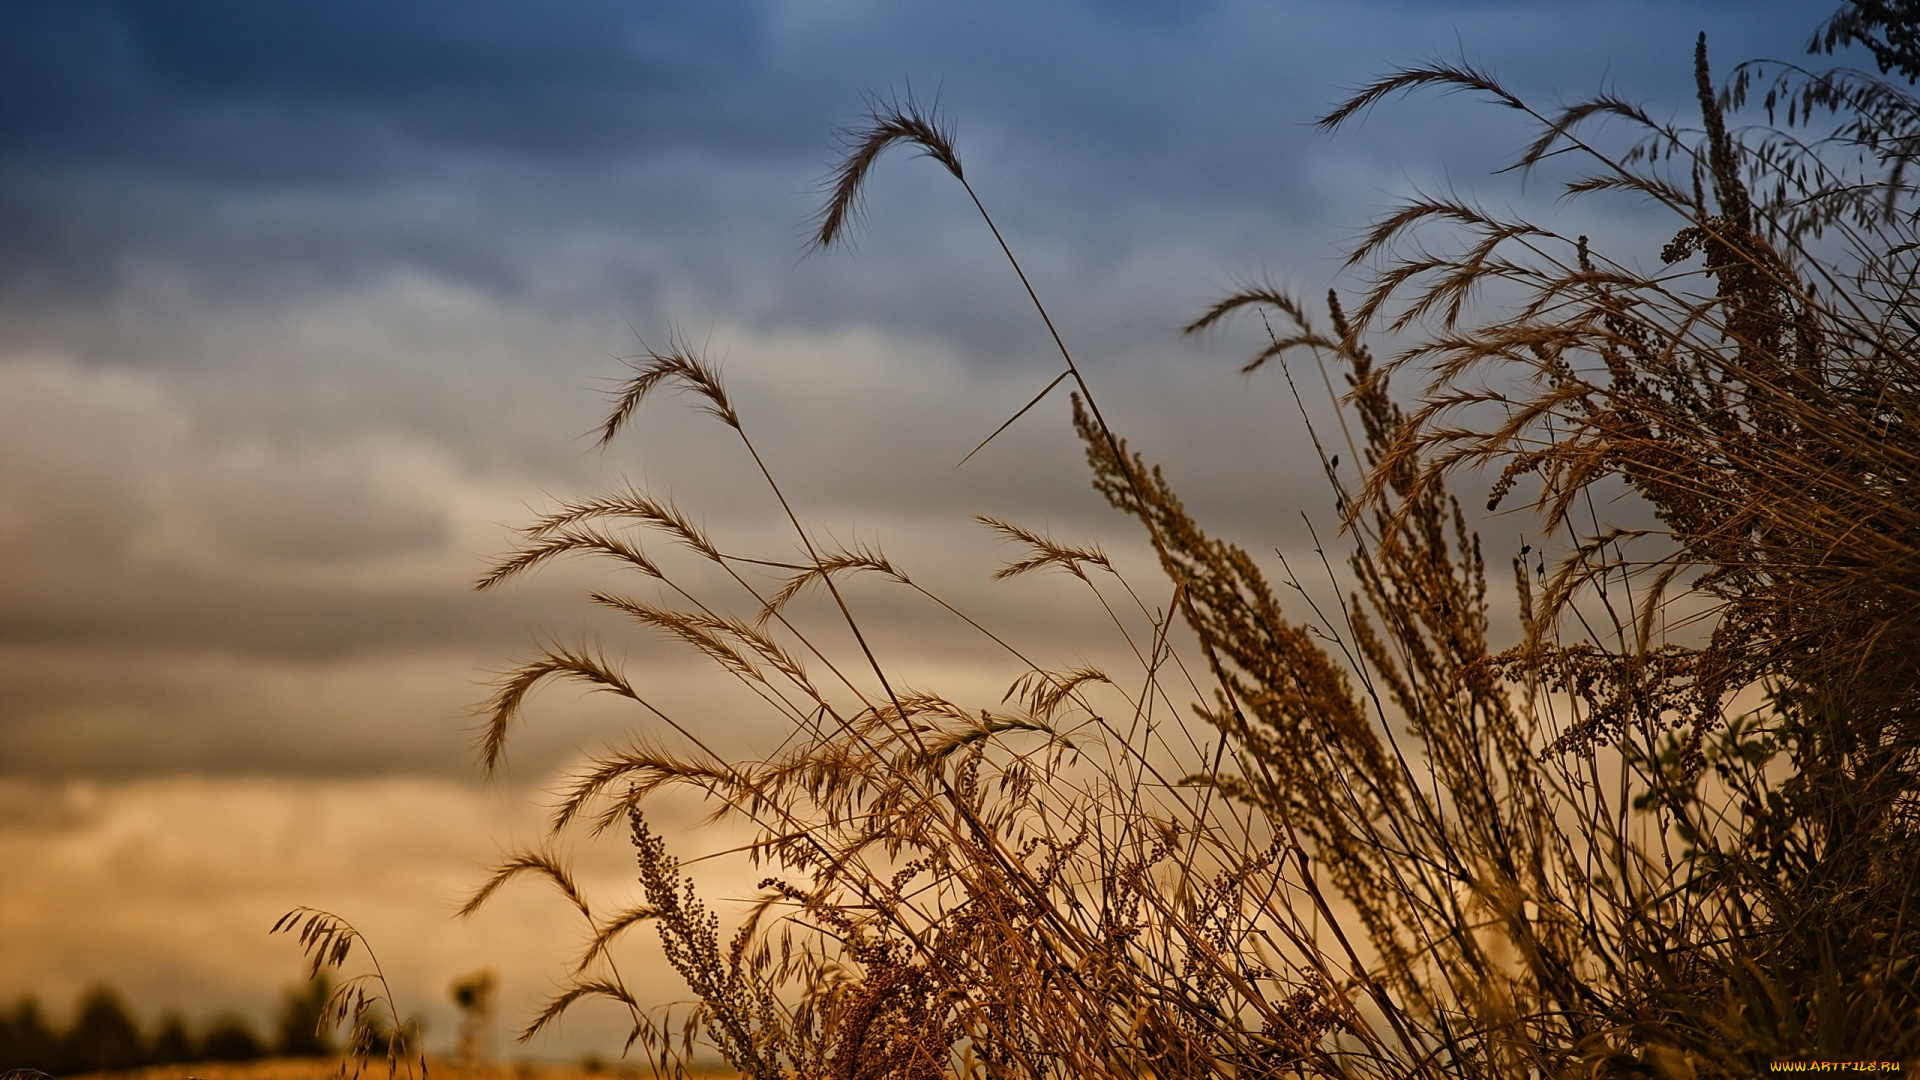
[305, 308]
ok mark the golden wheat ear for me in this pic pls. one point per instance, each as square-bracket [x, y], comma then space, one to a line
[1263, 297]
[1044, 552]
[540, 863]
[679, 366]
[1454, 78]
[887, 123]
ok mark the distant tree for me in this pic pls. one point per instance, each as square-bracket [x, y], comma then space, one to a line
[299, 1033]
[171, 1043]
[104, 1035]
[231, 1038]
[26, 1041]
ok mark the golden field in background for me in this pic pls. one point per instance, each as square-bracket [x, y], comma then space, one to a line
[329, 1069]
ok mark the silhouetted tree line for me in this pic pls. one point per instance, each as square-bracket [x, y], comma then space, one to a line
[104, 1034]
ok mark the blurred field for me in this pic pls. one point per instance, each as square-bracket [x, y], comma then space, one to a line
[329, 1068]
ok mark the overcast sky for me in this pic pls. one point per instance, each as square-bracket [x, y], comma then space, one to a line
[303, 306]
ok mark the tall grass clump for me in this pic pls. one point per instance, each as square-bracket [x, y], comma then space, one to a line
[1669, 830]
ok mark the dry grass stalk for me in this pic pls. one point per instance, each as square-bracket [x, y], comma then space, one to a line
[364, 1004]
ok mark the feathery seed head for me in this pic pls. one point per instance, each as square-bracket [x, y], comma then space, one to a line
[887, 123]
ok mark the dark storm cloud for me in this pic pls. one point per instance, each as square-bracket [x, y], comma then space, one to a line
[460, 137]
[247, 92]
[128, 129]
